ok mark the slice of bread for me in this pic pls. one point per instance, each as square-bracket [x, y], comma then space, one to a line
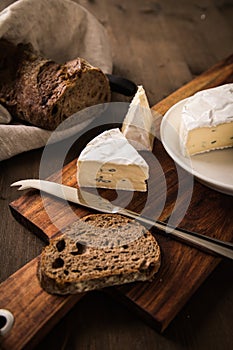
[44, 93]
[98, 251]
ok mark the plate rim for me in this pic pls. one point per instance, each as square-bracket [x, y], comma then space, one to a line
[227, 189]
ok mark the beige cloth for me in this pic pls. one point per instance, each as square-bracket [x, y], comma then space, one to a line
[60, 30]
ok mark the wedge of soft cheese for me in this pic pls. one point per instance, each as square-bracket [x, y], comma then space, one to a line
[138, 125]
[207, 121]
[110, 161]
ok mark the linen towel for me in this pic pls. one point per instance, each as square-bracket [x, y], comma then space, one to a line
[60, 30]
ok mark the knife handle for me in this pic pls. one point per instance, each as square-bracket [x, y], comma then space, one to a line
[206, 243]
[121, 85]
[209, 244]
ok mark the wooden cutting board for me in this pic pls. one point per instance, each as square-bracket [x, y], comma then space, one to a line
[183, 268]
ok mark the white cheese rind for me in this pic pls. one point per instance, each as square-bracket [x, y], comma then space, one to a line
[138, 125]
[203, 113]
[109, 161]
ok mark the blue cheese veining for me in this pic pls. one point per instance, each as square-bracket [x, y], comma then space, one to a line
[207, 121]
[110, 161]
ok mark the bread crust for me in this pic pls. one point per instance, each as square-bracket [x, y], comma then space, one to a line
[44, 93]
[69, 265]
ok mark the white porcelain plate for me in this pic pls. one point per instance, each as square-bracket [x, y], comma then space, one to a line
[214, 169]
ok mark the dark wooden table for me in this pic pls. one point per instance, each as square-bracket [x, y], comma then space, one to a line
[162, 46]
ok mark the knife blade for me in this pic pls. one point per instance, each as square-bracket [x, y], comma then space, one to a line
[98, 203]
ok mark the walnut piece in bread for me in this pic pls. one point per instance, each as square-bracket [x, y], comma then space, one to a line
[93, 254]
[44, 93]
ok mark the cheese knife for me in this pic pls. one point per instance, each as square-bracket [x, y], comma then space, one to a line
[98, 203]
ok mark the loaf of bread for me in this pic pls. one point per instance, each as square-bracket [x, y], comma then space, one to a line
[44, 93]
[98, 251]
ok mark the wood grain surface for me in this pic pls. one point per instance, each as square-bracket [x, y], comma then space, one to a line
[35, 311]
[183, 268]
[161, 46]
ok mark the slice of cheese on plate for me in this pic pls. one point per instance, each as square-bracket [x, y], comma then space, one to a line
[110, 161]
[207, 121]
[138, 125]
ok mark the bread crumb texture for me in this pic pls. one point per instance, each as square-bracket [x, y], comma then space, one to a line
[44, 93]
[92, 254]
